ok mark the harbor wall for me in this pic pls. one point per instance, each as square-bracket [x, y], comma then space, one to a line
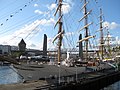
[94, 83]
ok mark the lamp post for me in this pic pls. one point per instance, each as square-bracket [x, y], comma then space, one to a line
[76, 73]
[59, 73]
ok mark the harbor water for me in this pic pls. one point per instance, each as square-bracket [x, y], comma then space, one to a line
[115, 86]
[9, 75]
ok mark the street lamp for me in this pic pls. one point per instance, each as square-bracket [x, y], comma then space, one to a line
[76, 73]
[59, 72]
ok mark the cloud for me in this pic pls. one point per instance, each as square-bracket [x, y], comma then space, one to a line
[67, 5]
[36, 5]
[39, 12]
[26, 31]
[66, 8]
[115, 41]
[29, 28]
[112, 25]
[32, 28]
[46, 14]
[32, 45]
[46, 22]
[52, 6]
[7, 40]
[69, 33]
[50, 43]
[70, 2]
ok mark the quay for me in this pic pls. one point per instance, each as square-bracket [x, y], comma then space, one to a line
[23, 86]
[90, 81]
[44, 78]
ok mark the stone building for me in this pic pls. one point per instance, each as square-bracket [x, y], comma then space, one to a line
[22, 46]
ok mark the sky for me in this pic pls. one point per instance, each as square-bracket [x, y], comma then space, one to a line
[31, 19]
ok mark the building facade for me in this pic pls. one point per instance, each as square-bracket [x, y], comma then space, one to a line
[5, 49]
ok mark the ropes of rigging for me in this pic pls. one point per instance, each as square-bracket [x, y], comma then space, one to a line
[71, 16]
[15, 12]
[22, 22]
[31, 32]
[70, 41]
[9, 29]
[67, 25]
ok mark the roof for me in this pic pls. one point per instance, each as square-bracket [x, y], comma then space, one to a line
[22, 42]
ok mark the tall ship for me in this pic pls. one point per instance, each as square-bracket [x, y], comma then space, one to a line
[84, 59]
[75, 66]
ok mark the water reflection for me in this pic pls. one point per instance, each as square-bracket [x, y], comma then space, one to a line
[115, 86]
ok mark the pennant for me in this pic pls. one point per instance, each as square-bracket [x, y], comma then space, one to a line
[20, 9]
[6, 19]
[25, 6]
[11, 15]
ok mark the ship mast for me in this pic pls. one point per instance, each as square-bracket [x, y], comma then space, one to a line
[101, 35]
[86, 25]
[60, 32]
[86, 30]
[108, 43]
